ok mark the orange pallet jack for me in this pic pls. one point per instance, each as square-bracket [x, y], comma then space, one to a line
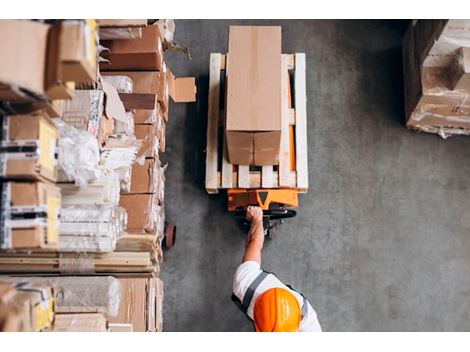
[277, 203]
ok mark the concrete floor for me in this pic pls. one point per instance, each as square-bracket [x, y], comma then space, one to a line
[381, 240]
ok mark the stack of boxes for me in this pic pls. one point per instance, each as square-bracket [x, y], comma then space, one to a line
[80, 165]
[436, 60]
[137, 69]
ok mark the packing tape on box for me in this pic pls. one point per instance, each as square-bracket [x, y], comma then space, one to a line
[76, 263]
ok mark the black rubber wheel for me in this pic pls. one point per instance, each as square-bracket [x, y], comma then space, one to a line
[170, 236]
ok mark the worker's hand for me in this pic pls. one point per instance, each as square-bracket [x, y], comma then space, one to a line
[254, 214]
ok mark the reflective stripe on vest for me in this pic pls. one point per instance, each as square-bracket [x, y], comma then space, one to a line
[245, 303]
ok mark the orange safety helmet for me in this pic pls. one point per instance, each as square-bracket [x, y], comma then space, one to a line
[277, 309]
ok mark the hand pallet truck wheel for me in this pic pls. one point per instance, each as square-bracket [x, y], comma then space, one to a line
[170, 236]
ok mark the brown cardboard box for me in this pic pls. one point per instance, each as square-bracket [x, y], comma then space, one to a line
[34, 161]
[133, 304]
[145, 53]
[141, 304]
[36, 302]
[85, 110]
[460, 71]
[55, 87]
[143, 117]
[253, 113]
[449, 36]
[37, 198]
[22, 65]
[80, 322]
[148, 134]
[77, 47]
[122, 23]
[149, 86]
[143, 179]
[140, 209]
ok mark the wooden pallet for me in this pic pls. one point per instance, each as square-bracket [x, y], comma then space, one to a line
[220, 174]
[54, 262]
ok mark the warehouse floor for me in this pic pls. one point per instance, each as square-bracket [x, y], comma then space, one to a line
[382, 239]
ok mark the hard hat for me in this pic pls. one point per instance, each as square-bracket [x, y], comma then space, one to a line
[277, 309]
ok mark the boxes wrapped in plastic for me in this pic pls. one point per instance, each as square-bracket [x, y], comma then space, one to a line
[78, 154]
[81, 294]
[91, 228]
[106, 189]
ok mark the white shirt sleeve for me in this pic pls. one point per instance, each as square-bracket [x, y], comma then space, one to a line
[244, 276]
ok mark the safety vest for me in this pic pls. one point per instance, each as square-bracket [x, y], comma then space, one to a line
[246, 301]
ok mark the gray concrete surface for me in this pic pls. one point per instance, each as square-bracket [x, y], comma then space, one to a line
[382, 239]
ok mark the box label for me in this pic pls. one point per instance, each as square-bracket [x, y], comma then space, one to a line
[47, 145]
[53, 205]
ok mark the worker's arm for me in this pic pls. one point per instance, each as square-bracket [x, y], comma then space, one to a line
[255, 238]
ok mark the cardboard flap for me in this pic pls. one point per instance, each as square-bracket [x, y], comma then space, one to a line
[182, 89]
[114, 107]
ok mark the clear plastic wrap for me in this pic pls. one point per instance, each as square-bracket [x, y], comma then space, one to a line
[119, 152]
[105, 189]
[91, 228]
[86, 294]
[78, 154]
[85, 110]
[123, 84]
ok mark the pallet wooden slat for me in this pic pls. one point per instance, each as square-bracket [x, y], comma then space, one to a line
[301, 122]
[243, 176]
[212, 123]
[267, 180]
[284, 160]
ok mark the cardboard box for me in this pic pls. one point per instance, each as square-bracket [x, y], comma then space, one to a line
[140, 209]
[144, 117]
[122, 23]
[448, 36]
[31, 215]
[149, 86]
[28, 147]
[85, 110]
[253, 109]
[119, 33]
[144, 53]
[120, 327]
[144, 177]
[36, 303]
[148, 134]
[460, 71]
[80, 322]
[141, 304]
[22, 66]
[77, 49]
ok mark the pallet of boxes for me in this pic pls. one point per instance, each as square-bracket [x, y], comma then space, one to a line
[68, 150]
[436, 61]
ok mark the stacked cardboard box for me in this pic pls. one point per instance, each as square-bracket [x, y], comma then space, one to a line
[72, 142]
[137, 69]
[25, 306]
[436, 76]
[141, 305]
[30, 201]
